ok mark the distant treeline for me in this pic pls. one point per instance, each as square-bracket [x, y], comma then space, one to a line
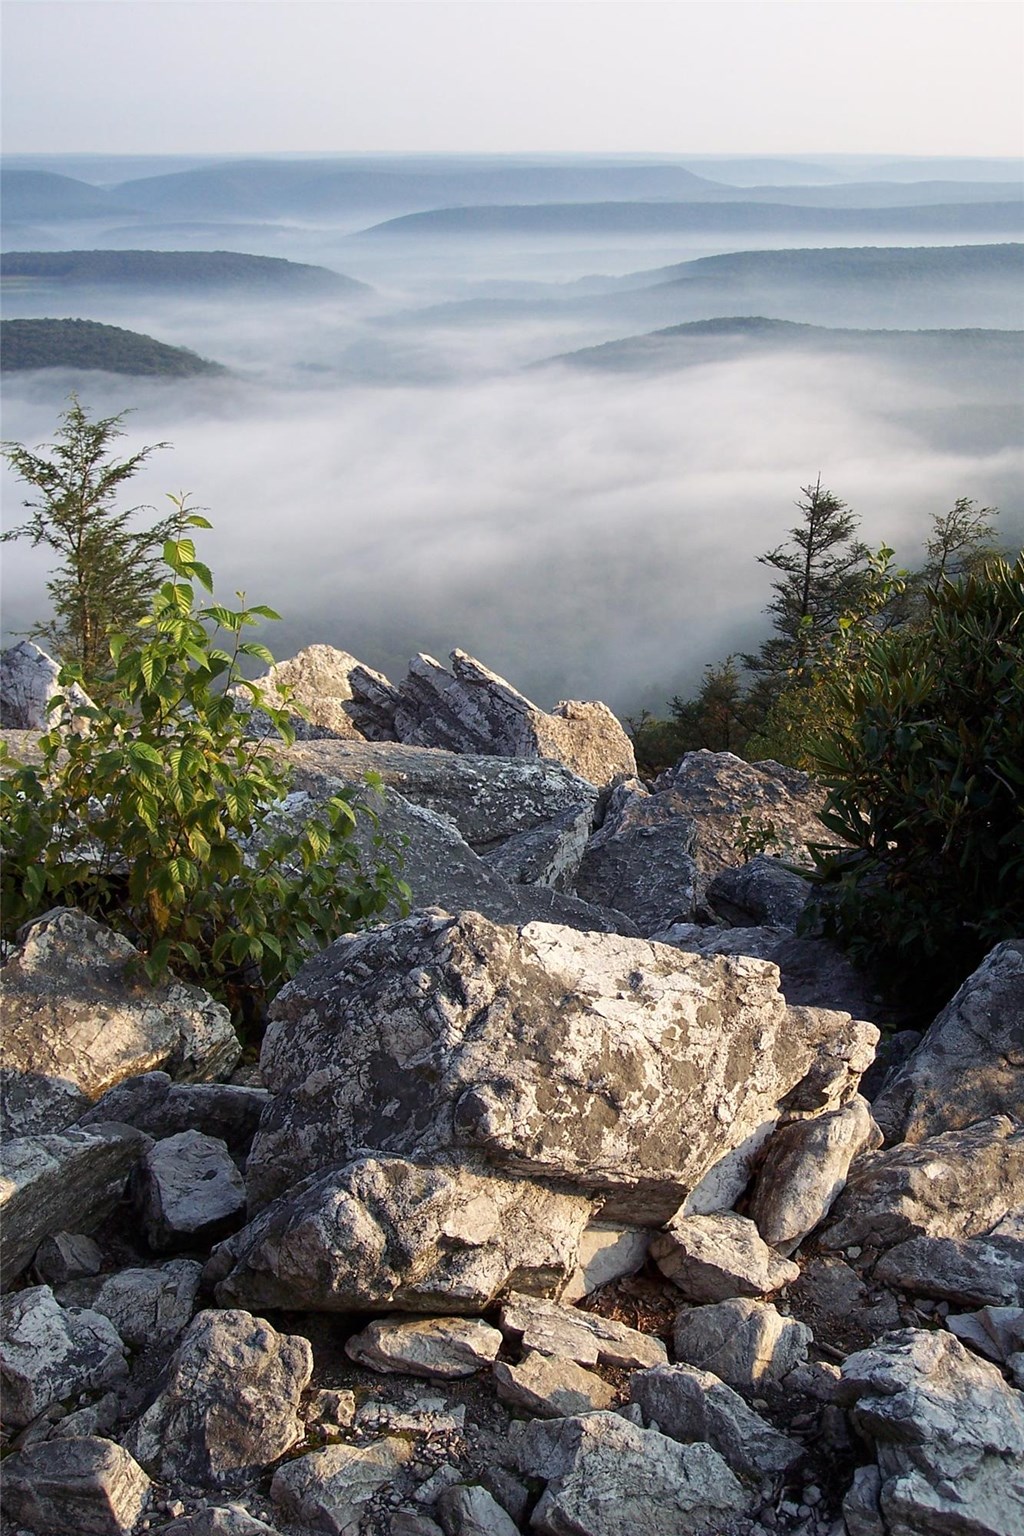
[26, 344]
[173, 269]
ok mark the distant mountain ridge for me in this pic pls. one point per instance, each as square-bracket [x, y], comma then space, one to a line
[88, 345]
[174, 269]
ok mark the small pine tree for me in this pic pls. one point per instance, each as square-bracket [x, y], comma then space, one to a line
[108, 570]
[963, 540]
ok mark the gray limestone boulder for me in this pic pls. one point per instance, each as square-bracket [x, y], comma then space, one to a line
[471, 709]
[319, 678]
[469, 1510]
[546, 855]
[607, 1477]
[148, 1307]
[690, 1405]
[805, 1170]
[76, 1023]
[329, 1490]
[48, 1353]
[550, 1328]
[66, 1256]
[28, 681]
[970, 1064]
[551, 1388]
[50, 1183]
[154, 1103]
[640, 860]
[443, 1348]
[552, 1053]
[187, 1192]
[978, 1271]
[731, 801]
[718, 1256]
[747, 1344]
[229, 1405]
[948, 1436]
[957, 1184]
[763, 889]
[82, 1487]
[385, 1234]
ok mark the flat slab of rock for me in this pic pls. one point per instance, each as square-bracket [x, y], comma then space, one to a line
[551, 1388]
[607, 1477]
[690, 1405]
[154, 1103]
[386, 1234]
[979, 1271]
[970, 1064]
[229, 1406]
[88, 1486]
[440, 1347]
[329, 1489]
[805, 1170]
[586, 1337]
[715, 1257]
[745, 1343]
[75, 1023]
[956, 1184]
[187, 1191]
[51, 1183]
[49, 1353]
[608, 1251]
[948, 1433]
[553, 1053]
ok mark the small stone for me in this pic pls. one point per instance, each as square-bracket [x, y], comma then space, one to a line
[854, 1252]
[550, 1387]
[329, 1489]
[444, 1347]
[67, 1256]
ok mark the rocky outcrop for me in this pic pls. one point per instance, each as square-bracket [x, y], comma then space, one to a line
[640, 860]
[327, 683]
[970, 1064]
[384, 1234]
[77, 1021]
[948, 1436]
[88, 1486]
[229, 1405]
[552, 1053]
[28, 681]
[49, 1183]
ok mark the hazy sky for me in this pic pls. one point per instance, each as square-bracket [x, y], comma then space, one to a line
[677, 76]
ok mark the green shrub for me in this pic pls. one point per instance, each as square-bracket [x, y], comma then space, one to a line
[925, 772]
[162, 817]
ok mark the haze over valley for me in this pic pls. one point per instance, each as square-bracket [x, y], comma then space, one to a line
[545, 409]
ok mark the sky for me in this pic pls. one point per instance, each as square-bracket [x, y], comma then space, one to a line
[204, 77]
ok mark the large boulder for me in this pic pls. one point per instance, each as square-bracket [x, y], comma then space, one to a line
[805, 1169]
[471, 709]
[958, 1184]
[640, 860]
[735, 803]
[384, 1234]
[551, 1052]
[970, 1063]
[48, 1353]
[50, 1184]
[229, 1405]
[187, 1192]
[28, 681]
[87, 1486]
[77, 1020]
[321, 680]
[948, 1435]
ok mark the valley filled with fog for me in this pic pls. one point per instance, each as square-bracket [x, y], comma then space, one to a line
[484, 447]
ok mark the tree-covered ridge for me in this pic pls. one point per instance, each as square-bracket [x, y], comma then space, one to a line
[875, 263]
[175, 269]
[87, 344]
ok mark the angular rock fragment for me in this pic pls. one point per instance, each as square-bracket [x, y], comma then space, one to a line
[187, 1191]
[553, 1053]
[66, 1256]
[745, 1343]
[75, 1023]
[608, 1251]
[386, 1234]
[552, 1388]
[979, 1271]
[49, 1353]
[329, 1489]
[948, 1434]
[546, 855]
[28, 681]
[805, 1169]
[607, 1477]
[970, 1064]
[586, 1337]
[957, 1184]
[229, 1405]
[690, 1405]
[150, 1307]
[319, 678]
[764, 889]
[472, 1511]
[640, 860]
[89, 1487]
[219, 1520]
[715, 1257]
[441, 1347]
[154, 1103]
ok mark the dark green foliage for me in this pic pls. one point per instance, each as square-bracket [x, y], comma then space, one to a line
[163, 819]
[926, 783]
[85, 344]
[172, 269]
[108, 570]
